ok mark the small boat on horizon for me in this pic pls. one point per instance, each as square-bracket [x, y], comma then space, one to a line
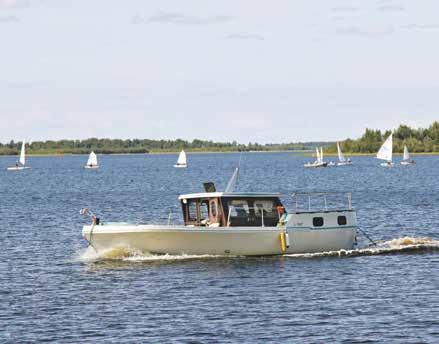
[182, 160]
[319, 160]
[406, 158]
[21, 163]
[342, 161]
[386, 152]
[92, 162]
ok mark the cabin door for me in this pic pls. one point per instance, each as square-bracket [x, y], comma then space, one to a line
[213, 211]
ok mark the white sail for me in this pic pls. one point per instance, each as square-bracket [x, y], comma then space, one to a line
[23, 154]
[385, 152]
[321, 154]
[182, 158]
[341, 157]
[406, 156]
[92, 159]
[317, 154]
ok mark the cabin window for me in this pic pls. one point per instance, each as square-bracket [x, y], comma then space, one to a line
[317, 221]
[204, 212]
[238, 213]
[192, 211]
[213, 208]
[215, 212]
[341, 220]
[265, 213]
[265, 207]
[239, 208]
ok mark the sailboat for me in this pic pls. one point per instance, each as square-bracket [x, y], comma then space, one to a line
[92, 161]
[319, 159]
[406, 158]
[21, 163]
[385, 152]
[342, 161]
[181, 162]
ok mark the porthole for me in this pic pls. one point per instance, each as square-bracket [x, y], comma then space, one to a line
[341, 220]
[317, 221]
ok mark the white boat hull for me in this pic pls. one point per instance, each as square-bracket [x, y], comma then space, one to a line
[407, 163]
[344, 163]
[315, 165]
[180, 166]
[387, 164]
[92, 167]
[245, 241]
[18, 168]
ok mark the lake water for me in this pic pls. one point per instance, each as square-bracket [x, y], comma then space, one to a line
[51, 290]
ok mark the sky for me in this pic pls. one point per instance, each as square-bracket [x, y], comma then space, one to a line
[250, 71]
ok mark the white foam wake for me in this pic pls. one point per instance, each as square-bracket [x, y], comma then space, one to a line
[394, 246]
[128, 254]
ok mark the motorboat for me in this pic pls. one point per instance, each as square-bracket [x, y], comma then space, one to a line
[342, 161]
[406, 160]
[92, 162]
[20, 165]
[182, 160]
[236, 223]
[386, 152]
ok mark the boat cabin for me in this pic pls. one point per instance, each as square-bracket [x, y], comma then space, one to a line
[232, 209]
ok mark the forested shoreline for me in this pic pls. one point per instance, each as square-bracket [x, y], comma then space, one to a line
[418, 140]
[142, 146]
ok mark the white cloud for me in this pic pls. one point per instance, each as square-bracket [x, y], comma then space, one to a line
[391, 8]
[345, 9]
[11, 4]
[245, 36]
[8, 19]
[181, 19]
[420, 26]
[359, 31]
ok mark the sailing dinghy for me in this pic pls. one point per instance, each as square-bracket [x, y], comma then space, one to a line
[21, 163]
[181, 162]
[406, 158]
[386, 152]
[319, 160]
[342, 161]
[92, 161]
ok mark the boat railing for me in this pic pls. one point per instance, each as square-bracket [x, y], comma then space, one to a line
[321, 201]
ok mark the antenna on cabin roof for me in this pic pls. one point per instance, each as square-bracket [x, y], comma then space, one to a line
[232, 182]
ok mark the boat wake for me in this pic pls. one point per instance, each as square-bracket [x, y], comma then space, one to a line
[127, 254]
[394, 246]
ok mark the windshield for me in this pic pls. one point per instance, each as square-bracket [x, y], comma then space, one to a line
[253, 212]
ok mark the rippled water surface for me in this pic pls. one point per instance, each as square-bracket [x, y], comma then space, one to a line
[53, 289]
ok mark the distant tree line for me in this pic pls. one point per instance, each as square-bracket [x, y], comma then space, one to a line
[117, 146]
[417, 140]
